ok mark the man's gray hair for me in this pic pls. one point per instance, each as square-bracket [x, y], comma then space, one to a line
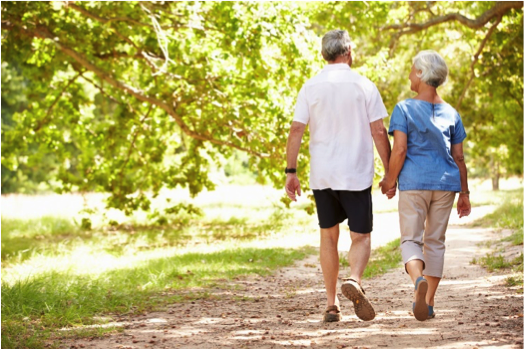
[434, 70]
[334, 44]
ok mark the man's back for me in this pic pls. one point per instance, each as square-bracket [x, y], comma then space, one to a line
[339, 104]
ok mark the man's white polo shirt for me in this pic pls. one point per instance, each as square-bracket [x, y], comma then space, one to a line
[339, 104]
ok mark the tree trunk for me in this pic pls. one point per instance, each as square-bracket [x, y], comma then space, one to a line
[495, 173]
[495, 181]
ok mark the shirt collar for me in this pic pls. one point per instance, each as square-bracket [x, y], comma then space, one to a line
[336, 66]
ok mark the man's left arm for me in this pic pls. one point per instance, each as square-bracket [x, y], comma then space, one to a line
[293, 147]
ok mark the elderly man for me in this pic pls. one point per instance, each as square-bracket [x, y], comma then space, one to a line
[344, 111]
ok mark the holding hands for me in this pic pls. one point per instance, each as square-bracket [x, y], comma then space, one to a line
[388, 187]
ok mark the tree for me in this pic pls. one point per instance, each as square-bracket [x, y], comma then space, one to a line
[131, 97]
[150, 93]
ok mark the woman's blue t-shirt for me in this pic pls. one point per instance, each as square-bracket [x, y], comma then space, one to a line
[431, 130]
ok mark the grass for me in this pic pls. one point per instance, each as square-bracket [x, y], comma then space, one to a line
[20, 238]
[383, 259]
[494, 262]
[508, 215]
[69, 299]
[57, 275]
[55, 299]
[514, 281]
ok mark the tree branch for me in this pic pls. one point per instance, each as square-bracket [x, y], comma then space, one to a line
[87, 13]
[48, 113]
[44, 33]
[114, 19]
[132, 146]
[517, 99]
[500, 8]
[120, 35]
[475, 60]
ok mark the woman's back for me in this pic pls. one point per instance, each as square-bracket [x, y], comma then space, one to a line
[431, 129]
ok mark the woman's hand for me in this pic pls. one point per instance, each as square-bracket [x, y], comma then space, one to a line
[463, 206]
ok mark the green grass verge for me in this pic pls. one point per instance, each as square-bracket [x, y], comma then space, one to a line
[514, 281]
[494, 262]
[508, 215]
[383, 259]
[57, 300]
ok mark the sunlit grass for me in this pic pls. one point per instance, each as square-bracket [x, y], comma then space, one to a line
[56, 274]
[508, 215]
[383, 259]
[69, 298]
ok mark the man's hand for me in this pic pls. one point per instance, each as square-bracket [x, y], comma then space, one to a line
[293, 186]
[388, 187]
[463, 206]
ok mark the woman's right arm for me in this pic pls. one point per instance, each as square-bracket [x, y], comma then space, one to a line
[463, 204]
[396, 162]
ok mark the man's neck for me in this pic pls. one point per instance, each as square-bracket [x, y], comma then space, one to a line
[339, 60]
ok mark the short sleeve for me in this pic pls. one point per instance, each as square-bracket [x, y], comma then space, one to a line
[302, 108]
[374, 106]
[459, 133]
[398, 121]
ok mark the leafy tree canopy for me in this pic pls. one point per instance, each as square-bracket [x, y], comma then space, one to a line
[130, 97]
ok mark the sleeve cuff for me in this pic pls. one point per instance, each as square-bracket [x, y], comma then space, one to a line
[300, 121]
[394, 127]
[374, 119]
[458, 140]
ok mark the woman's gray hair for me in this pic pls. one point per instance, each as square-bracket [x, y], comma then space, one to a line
[334, 44]
[434, 70]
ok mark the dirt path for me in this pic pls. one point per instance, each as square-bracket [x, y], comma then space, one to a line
[474, 310]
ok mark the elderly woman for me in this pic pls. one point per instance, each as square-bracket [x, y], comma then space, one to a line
[428, 160]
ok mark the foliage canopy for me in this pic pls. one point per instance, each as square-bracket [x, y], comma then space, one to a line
[130, 97]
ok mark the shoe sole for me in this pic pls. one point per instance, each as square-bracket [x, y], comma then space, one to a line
[421, 308]
[363, 308]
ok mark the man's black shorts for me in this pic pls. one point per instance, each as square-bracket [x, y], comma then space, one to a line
[333, 207]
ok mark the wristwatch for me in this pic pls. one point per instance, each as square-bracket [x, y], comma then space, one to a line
[290, 170]
[464, 192]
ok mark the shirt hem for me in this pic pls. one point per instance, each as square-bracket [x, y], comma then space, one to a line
[342, 189]
[429, 188]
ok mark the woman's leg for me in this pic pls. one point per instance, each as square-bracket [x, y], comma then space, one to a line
[414, 269]
[413, 207]
[435, 239]
[432, 289]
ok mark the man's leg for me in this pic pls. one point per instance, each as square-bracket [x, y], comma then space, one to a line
[359, 254]
[358, 259]
[329, 262]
